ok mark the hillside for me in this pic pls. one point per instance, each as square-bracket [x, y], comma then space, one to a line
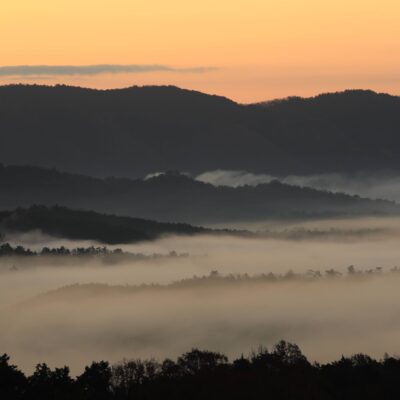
[132, 132]
[173, 197]
[87, 225]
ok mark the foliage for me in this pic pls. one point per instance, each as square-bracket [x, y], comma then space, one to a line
[280, 373]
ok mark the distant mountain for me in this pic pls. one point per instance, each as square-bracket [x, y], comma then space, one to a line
[88, 225]
[134, 131]
[174, 197]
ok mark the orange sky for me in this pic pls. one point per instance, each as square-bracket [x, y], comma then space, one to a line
[261, 48]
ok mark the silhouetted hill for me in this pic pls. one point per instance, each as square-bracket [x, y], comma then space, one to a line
[215, 280]
[87, 225]
[175, 197]
[131, 132]
[336, 132]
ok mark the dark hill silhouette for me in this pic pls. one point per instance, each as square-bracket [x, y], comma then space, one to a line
[174, 197]
[87, 225]
[131, 132]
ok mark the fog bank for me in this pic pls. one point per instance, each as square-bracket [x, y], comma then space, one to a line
[325, 317]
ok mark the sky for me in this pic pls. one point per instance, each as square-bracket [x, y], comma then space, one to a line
[249, 50]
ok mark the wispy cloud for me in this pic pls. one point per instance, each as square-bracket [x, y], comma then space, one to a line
[380, 185]
[65, 70]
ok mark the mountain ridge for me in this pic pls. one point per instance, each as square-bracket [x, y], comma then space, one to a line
[175, 197]
[135, 131]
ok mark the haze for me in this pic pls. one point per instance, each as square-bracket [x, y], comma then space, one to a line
[326, 317]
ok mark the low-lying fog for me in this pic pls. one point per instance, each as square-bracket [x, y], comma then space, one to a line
[326, 317]
[379, 185]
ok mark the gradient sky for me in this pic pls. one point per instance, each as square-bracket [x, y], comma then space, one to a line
[260, 49]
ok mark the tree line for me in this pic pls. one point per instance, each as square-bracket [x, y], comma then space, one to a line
[7, 250]
[280, 373]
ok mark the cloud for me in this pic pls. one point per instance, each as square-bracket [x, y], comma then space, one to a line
[88, 70]
[221, 177]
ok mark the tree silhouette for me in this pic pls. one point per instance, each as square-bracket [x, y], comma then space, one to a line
[283, 373]
[95, 382]
[13, 383]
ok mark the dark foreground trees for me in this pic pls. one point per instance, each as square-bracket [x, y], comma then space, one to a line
[282, 373]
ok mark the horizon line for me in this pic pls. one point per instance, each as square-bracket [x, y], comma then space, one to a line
[277, 99]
